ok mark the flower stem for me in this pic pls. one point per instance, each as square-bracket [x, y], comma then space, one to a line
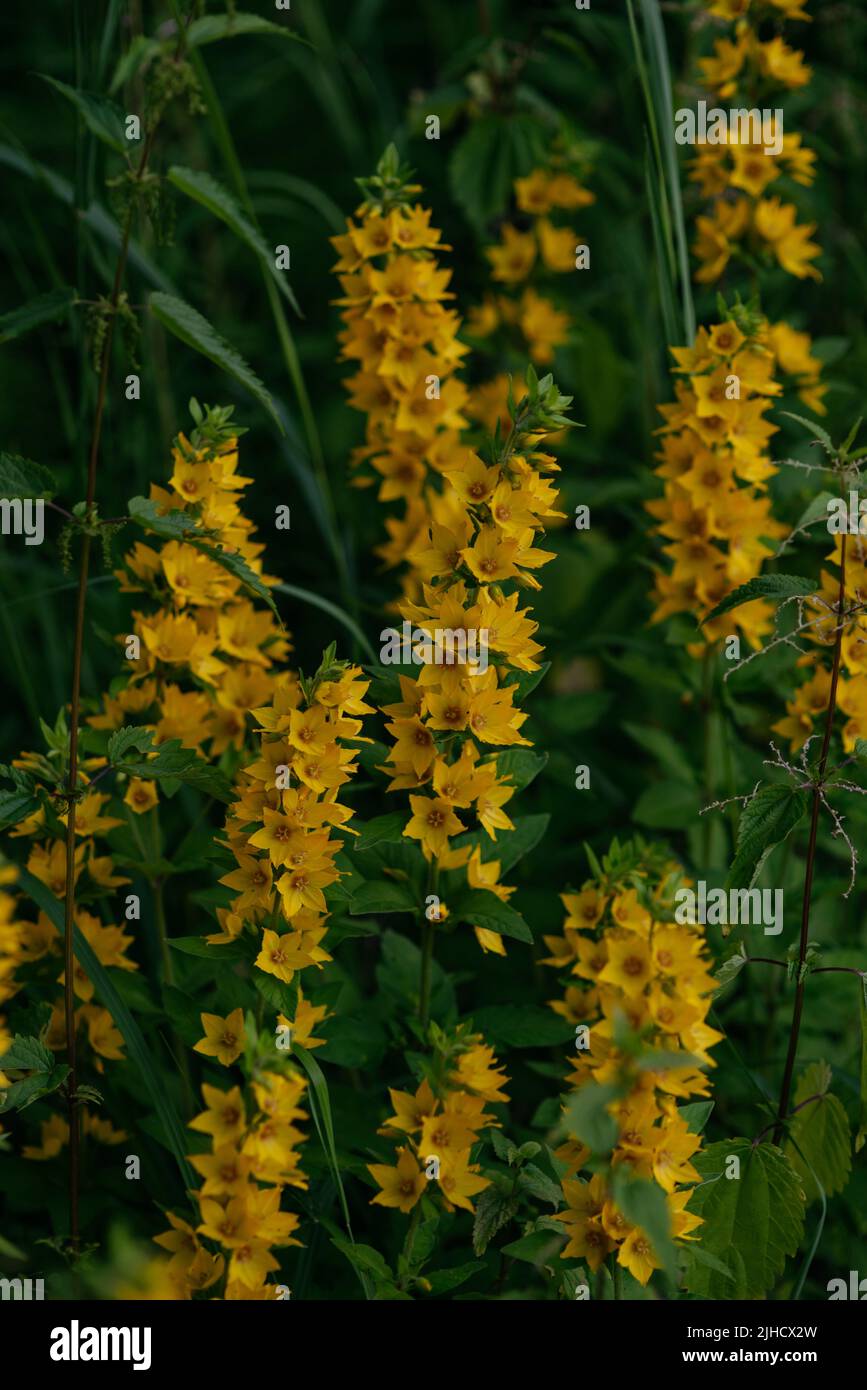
[797, 1010]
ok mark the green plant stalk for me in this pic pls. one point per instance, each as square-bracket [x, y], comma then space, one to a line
[798, 1007]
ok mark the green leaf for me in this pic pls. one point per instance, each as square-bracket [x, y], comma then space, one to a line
[480, 170]
[772, 586]
[320, 1109]
[188, 324]
[205, 190]
[531, 1179]
[20, 1094]
[765, 822]
[210, 28]
[382, 895]
[20, 477]
[198, 946]
[444, 1280]
[130, 736]
[27, 1054]
[101, 116]
[45, 308]
[180, 764]
[730, 968]
[820, 1130]
[520, 766]
[537, 1247]
[234, 562]
[16, 806]
[494, 1209]
[667, 751]
[381, 830]
[364, 1257]
[751, 1223]
[644, 1204]
[587, 1119]
[696, 1113]
[523, 1025]
[137, 1048]
[481, 908]
[174, 525]
[817, 510]
[815, 431]
[667, 805]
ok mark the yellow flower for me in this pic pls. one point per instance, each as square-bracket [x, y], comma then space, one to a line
[224, 1037]
[513, 260]
[402, 1184]
[141, 795]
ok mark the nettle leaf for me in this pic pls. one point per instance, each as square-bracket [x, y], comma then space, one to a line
[494, 1209]
[765, 822]
[130, 736]
[45, 308]
[20, 477]
[193, 329]
[234, 562]
[210, 28]
[27, 1054]
[15, 806]
[23, 1093]
[815, 431]
[820, 1130]
[772, 586]
[481, 908]
[174, 525]
[208, 193]
[531, 1179]
[179, 525]
[730, 968]
[181, 764]
[101, 116]
[751, 1223]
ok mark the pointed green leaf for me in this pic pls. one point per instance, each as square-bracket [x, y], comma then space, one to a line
[189, 325]
[765, 822]
[820, 1135]
[20, 477]
[208, 193]
[771, 586]
[100, 115]
[45, 308]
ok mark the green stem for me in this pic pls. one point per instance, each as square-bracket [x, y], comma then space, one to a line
[798, 1007]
